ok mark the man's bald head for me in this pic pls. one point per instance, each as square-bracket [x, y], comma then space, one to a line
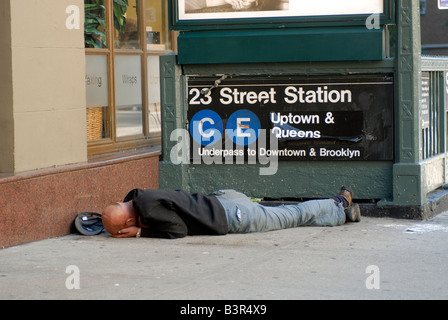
[119, 215]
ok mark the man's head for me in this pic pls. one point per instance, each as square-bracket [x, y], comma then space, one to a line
[118, 216]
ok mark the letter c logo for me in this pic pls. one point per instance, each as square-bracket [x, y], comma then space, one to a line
[201, 128]
[206, 127]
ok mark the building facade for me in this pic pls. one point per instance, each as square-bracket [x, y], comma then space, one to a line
[84, 93]
[80, 109]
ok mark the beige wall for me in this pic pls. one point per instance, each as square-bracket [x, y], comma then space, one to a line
[48, 85]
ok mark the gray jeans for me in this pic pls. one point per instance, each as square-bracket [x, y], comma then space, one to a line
[244, 215]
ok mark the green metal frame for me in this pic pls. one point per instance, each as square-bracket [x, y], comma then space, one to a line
[288, 45]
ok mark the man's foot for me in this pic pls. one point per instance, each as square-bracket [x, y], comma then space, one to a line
[347, 194]
[353, 213]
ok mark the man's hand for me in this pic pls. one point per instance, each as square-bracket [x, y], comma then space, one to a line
[127, 232]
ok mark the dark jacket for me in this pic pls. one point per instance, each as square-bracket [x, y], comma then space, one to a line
[176, 213]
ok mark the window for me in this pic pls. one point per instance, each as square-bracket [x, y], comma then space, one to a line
[123, 40]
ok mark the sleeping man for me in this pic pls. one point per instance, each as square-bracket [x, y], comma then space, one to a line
[175, 214]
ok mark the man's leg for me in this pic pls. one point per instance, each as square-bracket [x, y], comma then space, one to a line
[246, 216]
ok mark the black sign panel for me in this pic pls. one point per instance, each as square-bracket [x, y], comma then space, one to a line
[312, 118]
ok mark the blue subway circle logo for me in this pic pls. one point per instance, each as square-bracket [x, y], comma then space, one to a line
[206, 127]
[242, 128]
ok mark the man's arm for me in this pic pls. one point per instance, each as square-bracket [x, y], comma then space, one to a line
[161, 222]
[149, 232]
[170, 234]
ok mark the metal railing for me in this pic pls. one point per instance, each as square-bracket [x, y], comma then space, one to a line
[433, 106]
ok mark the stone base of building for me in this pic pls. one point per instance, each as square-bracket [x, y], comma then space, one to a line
[437, 202]
[42, 204]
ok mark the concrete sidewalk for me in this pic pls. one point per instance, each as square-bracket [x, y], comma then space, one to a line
[407, 259]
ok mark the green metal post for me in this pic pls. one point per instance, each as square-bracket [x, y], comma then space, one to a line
[173, 117]
[407, 175]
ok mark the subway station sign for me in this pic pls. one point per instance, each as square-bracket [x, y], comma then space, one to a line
[294, 118]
